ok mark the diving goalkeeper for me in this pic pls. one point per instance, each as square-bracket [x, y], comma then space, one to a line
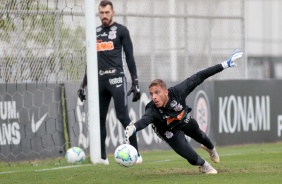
[171, 117]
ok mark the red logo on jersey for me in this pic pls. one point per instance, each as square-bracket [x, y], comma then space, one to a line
[104, 46]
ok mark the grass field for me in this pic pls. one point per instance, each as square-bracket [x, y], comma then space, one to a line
[254, 164]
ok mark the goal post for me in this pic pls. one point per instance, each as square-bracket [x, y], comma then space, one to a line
[92, 84]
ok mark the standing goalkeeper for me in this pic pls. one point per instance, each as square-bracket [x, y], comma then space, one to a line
[112, 40]
[171, 119]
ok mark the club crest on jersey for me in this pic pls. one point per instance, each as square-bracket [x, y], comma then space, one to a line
[112, 35]
[168, 134]
[176, 107]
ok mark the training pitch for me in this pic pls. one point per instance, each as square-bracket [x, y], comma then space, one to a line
[258, 163]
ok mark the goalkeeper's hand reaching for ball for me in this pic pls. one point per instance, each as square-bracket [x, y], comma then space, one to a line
[129, 131]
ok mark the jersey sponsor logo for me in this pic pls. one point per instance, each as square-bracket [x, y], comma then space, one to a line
[118, 85]
[173, 103]
[104, 34]
[104, 46]
[178, 117]
[117, 80]
[107, 72]
[188, 117]
[202, 111]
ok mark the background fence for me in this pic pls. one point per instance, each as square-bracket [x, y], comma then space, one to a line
[43, 40]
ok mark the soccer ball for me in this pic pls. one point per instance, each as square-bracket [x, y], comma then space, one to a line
[75, 155]
[126, 155]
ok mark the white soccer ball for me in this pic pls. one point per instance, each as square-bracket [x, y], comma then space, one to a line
[75, 155]
[126, 155]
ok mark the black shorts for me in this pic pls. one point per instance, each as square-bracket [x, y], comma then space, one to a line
[178, 142]
[116, 88]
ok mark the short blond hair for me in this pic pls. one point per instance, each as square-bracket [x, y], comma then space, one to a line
[157, 82]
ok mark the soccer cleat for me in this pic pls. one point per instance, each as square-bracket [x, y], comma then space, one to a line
[139, 160]
[207, 169]
[105, 161]
[213, 154]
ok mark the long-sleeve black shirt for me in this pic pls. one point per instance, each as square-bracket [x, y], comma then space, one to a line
[112, 42]
[176, 110]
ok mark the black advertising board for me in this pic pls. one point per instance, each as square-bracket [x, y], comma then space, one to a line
[31, 124]
[230, 112]
[248, 111]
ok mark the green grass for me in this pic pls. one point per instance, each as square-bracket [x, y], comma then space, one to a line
[259, 163]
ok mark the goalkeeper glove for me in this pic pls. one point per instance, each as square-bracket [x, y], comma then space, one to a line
[229, 62]
[135, 90]
[129, 131]
[81, 94]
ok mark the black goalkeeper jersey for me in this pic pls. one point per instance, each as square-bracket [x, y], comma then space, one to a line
[176, 111]
[111, 42]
